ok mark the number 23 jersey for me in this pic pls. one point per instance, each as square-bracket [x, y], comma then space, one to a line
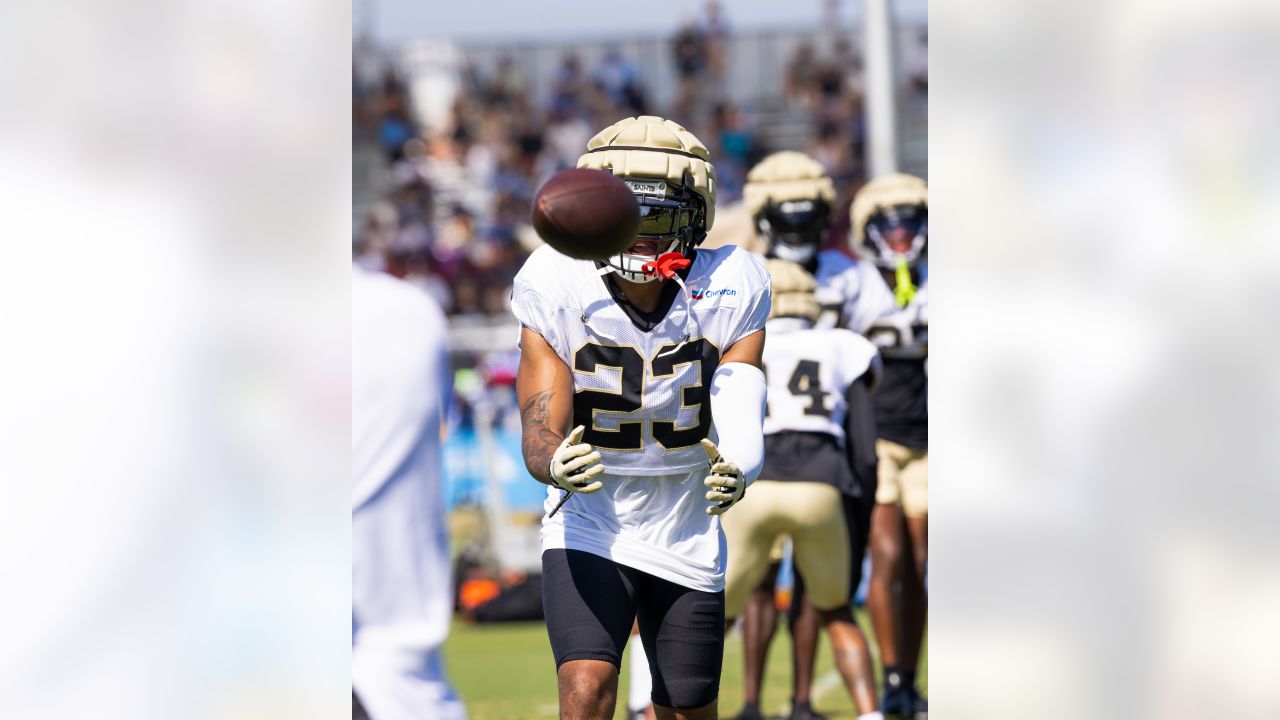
[642, 381]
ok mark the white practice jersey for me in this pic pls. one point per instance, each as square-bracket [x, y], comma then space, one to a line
[643, 397]
[808, 371]
[851, 292]
[401, 602]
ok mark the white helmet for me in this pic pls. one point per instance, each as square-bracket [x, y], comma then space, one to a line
[669, 171]
[889, 218]
[790, 198]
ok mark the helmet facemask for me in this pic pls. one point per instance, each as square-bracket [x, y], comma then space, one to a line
[899, 234]
[794, 228]
[671, 220]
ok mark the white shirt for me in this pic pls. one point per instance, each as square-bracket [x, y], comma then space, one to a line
[643, 398]
[401, 601]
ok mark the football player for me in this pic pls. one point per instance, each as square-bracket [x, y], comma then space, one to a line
[790, 198]
[890, 224]
[401, 603]
[642, 398]
[819, 434]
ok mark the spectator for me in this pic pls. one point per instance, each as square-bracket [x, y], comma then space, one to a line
[736, 144]
[394, 130]
[715, 32]
[456, 235]
[800, 82]
[918, 67]
[635, 99]
[617, 76]
[845, 58]
[373, 240]
[411, 196]
[569, 86]
[394, 127]
[507, 84]
[832, 148]
[690, 50]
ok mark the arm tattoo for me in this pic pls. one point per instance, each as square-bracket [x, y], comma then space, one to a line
[539, 441]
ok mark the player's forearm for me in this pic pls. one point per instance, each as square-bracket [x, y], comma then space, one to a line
[544, 389]
[538, 439]
[737, 409]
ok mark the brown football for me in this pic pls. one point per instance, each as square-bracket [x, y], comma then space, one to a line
[586, 214]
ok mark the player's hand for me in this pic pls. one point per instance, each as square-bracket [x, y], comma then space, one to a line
[726, 484]
[575, 463]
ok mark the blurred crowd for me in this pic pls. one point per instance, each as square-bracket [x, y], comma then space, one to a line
[830, 88]
[454, 219]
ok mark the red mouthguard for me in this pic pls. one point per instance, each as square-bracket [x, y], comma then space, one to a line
[666, 265]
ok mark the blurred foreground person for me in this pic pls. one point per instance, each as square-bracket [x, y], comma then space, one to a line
[890, 221]
[819, 434]
[401, 601]
[790, 198]
[642, 402]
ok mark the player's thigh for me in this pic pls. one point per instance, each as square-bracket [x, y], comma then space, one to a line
[887, 471]
[589, 603]
[820, 543]
[914, 481]
[750, 536]
[683, 634]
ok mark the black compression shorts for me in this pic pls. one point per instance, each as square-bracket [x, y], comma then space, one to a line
[590, 603]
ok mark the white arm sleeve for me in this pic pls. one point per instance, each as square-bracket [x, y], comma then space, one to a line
[737, 410]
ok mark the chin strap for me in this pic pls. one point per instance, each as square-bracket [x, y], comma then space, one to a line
[905, 290]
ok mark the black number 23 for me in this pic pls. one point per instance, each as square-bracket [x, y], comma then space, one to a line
[629, 398]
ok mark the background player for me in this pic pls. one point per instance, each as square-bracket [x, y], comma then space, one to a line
[890, 221]
[791, 201]
[790, 198]
[643, 356]
[401, 602]
[819, 433]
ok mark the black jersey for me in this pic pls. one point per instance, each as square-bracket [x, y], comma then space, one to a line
[902, 400]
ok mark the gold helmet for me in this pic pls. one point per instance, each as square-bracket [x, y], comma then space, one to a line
[793, 291]
[790, 198]
[889, 218]
[671, 175]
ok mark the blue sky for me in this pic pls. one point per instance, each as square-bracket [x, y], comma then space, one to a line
[461, 19]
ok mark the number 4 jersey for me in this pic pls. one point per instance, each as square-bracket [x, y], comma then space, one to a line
[642, 390]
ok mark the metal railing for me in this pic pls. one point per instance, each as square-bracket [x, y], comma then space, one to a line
[756, 67]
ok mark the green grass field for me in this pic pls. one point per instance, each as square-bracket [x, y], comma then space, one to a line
[505, 672]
